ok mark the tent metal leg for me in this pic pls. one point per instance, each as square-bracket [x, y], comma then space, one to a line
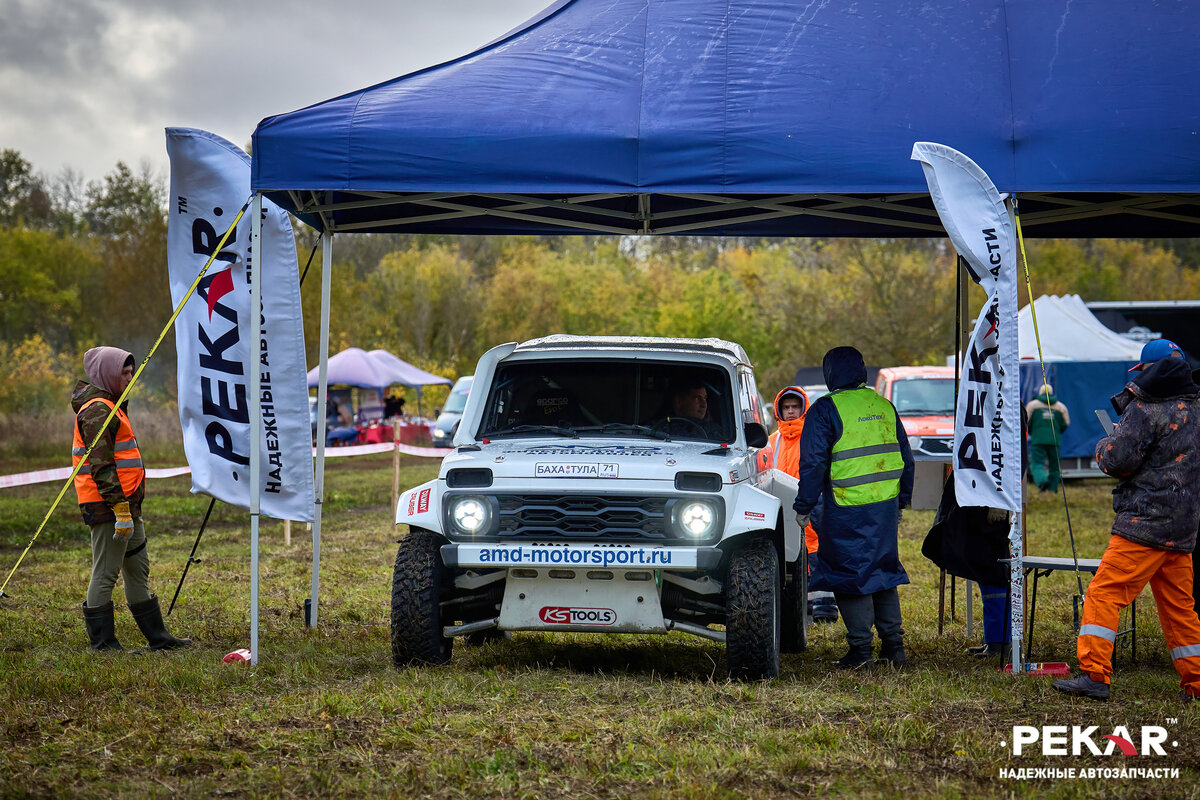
[322, 392]
[254, 264]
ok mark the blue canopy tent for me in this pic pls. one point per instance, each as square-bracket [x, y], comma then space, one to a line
[764, 117]
[760, 118]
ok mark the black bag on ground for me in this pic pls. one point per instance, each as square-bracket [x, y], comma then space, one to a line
[965, 544]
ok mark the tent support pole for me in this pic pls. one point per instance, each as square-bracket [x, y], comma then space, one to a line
[965, 323]
[960, 294]
[322, 392]
[254, 263]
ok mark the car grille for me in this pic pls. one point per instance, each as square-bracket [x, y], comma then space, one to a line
[936, 446]
[610, 518]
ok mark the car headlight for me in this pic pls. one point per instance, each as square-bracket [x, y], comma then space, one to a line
[914, 442]
[438, 433]
[470, 515]
[695, 518]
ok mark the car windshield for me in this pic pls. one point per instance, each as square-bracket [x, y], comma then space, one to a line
[457, 400]
[924, 396]
[652, 399]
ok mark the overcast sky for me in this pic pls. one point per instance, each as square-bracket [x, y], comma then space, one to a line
[87, 83]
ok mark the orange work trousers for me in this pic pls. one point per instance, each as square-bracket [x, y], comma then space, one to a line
[1125, 568]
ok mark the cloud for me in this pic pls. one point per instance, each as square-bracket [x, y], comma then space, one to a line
[88, 83]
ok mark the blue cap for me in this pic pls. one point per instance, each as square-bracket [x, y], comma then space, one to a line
[1157, 350]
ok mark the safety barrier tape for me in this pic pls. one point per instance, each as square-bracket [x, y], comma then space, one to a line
[48, 475]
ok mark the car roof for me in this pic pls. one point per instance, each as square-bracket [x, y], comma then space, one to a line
[719, 347]
[917, 372]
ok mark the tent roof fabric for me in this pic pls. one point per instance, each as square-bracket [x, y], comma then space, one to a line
[405, 373]
[1071, 332]
[764, 117]
[378, 369]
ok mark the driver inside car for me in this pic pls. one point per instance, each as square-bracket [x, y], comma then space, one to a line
[689, 412]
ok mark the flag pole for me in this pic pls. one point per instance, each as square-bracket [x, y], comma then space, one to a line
[254, 264]
[1017, 589]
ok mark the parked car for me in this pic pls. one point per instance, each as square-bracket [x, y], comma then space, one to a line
[815, 390]
[924, 399]
[581, 498]
[447, 421]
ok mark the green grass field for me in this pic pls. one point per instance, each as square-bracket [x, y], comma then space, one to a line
[324, 713]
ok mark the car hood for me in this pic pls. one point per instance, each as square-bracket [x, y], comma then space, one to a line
[594, 458]
[928, 425]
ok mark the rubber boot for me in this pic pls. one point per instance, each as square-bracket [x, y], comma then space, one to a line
[893, 653]
[855, 658]
[148, 617]
[100, 627]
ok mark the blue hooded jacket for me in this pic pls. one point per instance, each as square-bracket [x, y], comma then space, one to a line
[859, 553]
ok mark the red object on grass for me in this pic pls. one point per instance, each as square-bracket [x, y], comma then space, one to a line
[237, 657]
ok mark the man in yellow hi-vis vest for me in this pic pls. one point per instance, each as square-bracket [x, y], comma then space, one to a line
[110, 486]
[855, 459]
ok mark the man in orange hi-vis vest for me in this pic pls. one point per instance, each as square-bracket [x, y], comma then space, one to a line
[110, 486]
[1154, 453]
[783, 453]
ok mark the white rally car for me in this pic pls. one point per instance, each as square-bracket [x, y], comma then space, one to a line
[605, 484]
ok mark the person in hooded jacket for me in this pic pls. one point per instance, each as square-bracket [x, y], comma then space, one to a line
[783, 453]
[1048, 418]
[1154, 453]
[855, 460]
[110, 486]
[783, 446]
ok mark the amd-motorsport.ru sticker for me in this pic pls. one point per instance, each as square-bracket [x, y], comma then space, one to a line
[640, 451]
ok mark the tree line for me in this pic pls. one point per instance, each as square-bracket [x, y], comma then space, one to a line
[83, 264]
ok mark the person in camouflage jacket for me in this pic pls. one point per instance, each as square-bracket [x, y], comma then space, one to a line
[103, 457]
[1154, 453]
[111, 486]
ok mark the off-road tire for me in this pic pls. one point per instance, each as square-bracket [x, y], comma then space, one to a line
[795, 606]
[417, 581]
[753, 612]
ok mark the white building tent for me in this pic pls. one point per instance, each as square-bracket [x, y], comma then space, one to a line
[1070, 332]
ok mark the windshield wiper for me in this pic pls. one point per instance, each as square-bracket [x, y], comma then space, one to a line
[560, 430]
[626, 426]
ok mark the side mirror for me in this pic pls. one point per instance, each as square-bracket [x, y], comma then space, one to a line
[756, 435]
